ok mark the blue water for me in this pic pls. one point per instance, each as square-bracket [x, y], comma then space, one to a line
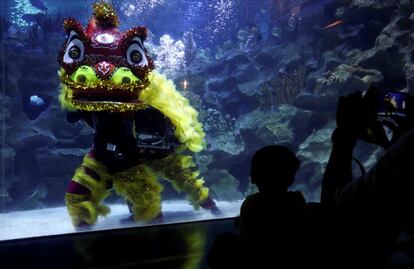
[258, 72]
[212, 22]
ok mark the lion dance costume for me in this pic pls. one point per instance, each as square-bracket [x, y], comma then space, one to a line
[143, 126]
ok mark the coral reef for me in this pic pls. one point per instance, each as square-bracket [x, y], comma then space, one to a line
[345, 79]
[291, 85]
[221, 133]
[391, 53]
[374, 4]
[225, 187]
[170, 56]
[282, 90]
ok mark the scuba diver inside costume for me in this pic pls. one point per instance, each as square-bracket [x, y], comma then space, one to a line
[143, 126]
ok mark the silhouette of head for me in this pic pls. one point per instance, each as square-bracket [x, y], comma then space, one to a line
[273, 167]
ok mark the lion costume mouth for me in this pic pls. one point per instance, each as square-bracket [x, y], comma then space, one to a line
[102, 95]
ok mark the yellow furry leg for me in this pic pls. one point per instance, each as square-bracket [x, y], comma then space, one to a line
[140, 188]
[178, 169]
[82, 210]
[87, 207]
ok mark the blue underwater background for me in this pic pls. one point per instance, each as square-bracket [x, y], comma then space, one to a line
[259, 72]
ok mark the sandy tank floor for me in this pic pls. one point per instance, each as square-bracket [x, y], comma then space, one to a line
[55, 221]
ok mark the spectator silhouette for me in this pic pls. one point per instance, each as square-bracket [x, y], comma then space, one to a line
[367, 215]
[272, 221]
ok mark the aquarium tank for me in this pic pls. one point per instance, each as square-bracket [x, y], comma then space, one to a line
[140, 112]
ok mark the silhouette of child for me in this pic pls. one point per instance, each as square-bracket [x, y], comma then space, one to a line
[272, 221]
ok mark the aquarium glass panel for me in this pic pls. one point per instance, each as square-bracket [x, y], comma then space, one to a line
[128, 113]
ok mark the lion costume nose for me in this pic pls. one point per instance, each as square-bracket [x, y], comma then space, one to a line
[104, 70]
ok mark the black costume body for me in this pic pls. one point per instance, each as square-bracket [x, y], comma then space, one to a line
[129, 152]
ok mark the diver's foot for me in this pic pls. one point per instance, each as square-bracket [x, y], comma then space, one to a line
[215, 211]
[83, 226]
[210, 204]
[128, 220]
[158, 219]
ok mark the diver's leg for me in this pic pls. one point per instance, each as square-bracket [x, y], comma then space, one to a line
[86, 191]
[141, 190]
[179, 169]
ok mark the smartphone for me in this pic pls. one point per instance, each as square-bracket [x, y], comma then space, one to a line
[392, 103]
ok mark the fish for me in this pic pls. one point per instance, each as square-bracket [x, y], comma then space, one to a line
[335, 23]
[292, 23]
[38, 4]
[242, 35]
[306, 8]
[276, 32]
[34, 105]
[185, 84]
[29, 18]
[36, 100]
[33, 18]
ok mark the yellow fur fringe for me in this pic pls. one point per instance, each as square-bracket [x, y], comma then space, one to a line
[65, 95]
[162, 94]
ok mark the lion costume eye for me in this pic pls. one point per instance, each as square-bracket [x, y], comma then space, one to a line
[74, 50]
[136, 57]
[135, 53]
